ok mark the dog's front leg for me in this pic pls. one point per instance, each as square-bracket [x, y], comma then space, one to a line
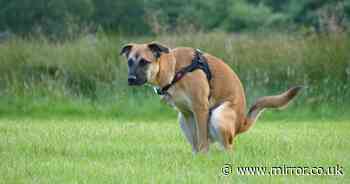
[188, 126]
[201, 113]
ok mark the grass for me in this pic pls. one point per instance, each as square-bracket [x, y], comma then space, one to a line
[104, 150]
[87, 76]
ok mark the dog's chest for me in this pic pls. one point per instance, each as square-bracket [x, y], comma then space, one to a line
[179, 100]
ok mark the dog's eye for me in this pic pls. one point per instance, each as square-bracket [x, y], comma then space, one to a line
[144, 62]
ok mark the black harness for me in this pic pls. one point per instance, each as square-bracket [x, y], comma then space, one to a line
[198, 62]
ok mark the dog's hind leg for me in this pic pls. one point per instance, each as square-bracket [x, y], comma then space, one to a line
[222, 125]
[188, 126]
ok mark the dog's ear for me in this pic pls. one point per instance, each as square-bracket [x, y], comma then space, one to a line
[126, 49]
[157, 49]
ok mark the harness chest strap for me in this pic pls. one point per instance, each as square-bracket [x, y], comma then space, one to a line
[198, 62]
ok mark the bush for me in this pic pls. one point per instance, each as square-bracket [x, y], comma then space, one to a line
[247, 17]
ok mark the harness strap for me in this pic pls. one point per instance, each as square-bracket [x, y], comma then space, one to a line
[198, 62]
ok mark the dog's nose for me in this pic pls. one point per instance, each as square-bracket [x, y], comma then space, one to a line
[131, 79]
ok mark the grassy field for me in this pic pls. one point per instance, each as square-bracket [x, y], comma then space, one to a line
[68, 116]
[113, 151]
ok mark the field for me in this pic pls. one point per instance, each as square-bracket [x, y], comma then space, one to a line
[68, 116]
[111, 151]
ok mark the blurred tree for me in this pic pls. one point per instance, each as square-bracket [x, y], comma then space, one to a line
[324, 15]
[53, 17]
[123, 16]
[61, 18]
[245, 16]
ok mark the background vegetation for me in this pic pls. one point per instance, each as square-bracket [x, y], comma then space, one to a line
[88, 77]
[66, 18]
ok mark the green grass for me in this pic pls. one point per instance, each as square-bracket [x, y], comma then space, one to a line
[103, 150]
[87, 75]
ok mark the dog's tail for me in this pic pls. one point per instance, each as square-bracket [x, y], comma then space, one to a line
[279, 101]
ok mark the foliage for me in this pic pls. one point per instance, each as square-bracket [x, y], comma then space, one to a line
[67, 18]
[247, 16]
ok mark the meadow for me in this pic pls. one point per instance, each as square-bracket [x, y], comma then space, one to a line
[68, 116]
[111, 151]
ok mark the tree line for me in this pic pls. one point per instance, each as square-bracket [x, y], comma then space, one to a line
[59, 18]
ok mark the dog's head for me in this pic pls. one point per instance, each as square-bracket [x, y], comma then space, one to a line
[143, 61]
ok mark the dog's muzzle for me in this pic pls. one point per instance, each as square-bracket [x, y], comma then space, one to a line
[135, 81]
[132, 80]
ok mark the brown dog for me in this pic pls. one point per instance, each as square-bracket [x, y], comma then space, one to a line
[209, 110]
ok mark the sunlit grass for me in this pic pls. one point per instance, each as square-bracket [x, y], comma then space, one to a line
[112, 151]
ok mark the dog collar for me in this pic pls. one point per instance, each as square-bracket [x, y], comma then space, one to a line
[198, 62]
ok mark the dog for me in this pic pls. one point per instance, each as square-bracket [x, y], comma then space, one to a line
[211, 106]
